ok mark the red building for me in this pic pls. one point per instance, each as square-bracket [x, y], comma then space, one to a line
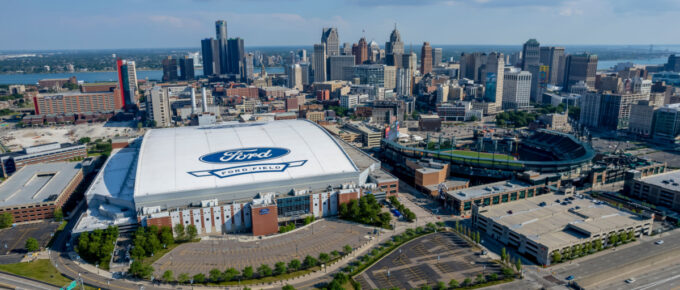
[77, 102]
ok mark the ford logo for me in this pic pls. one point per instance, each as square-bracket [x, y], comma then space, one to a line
[244, 155]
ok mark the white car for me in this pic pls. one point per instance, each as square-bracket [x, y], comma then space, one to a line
[659, 242]
[630, 280]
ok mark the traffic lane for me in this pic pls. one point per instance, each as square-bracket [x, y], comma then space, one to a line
[664, 278]
[20, 283]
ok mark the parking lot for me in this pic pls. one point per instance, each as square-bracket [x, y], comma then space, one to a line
[12, 240]
[323, 236]
[427, 260]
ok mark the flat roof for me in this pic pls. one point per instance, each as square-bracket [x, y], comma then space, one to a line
[556, 224]
[668, 180]
[38, 183]
[183, 159]
[476, 192]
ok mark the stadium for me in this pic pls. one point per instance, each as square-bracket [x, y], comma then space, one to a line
[544, 152]
[235, 177]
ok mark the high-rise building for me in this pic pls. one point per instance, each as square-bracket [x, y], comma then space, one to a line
[590, 109]
[673, 63]
[374, 52]
[248, 67]
[403, 83]
[550, 56]
[319, 63]
[360, 51]
[127, 81]
[221, 36]
[236, 55]
[329, 37]
[580, 67]
[494, 79]
[530, 54]
[295, 77]
[667, 124]
[410, 61]
[210, 51]
[337, 65]
[516, 89]
[186, 68]
[376, 75]
[170, 69]
[306, 69]
[437, 56]
[158, 106]
[426, 59]
[347, 48]
[608, 111]
[394, 49]
[471, 65]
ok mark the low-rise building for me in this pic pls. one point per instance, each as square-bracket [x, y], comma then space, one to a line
[51, 152]
[491, 194]
[661, 189]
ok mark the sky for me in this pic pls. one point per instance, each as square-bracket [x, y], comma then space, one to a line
[100, 24]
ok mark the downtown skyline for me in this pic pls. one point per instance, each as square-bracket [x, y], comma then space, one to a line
[181, 23]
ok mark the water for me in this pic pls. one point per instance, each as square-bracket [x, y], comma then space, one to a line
[93, 77]
[607, 64]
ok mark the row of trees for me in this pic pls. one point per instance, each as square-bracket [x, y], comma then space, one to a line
[516, 119]
[577, 251]
[6, 220]
[409, 216]
[366, 210]
[148, 241]
[473, 235]
[97, 246]
[184, 234]
[231, 274]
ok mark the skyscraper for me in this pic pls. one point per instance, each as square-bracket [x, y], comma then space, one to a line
[337, 65]
[170, 69]
[580, 67]
[394, 49]
[221, 36]
[186, 68]
[471, 65]
[494, 79]
[319, 63]
[516, 89]
[127, 81]
[210, 50]
[530, 54]
[248, 67]
[295, 77]
[550, 56]
[236, 55]
[347, 48]
[426, 59]
[436, 57]
[360, 51]
[329, 37]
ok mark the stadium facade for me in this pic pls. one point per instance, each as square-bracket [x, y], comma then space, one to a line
[232, 177]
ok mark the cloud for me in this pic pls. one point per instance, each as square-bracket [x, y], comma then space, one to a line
[177, 22]
[478, 3]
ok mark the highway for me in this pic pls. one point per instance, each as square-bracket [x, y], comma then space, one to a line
[15, 282]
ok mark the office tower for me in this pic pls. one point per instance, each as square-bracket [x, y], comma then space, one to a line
[158, 107]
[641, 118]
[403, 82]
[471, 65]
[236, 54]
[302, 55]
[295, 77]
[376, 75]
[410, 61]
[373, 52]
[590, 109]
[127, 81]
[442, 93]
[436, 57]
[516, 89]
[536, 89]
[329, 37]
[530, 54]
[337, 65]
[221, 36]
[170, 69]
[615, 110]
[360, 51]
[306, 71]
[494, 79]
[426, 59]
[580, 67]
[515, 59]
[319, 63]
[347, 48]
[673, 63]
[248, 67]
[667, 124]
[186, 68]
[550, 56]
[210, 51]
[394, 49]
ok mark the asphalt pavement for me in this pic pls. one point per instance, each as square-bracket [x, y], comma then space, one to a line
[21, 283]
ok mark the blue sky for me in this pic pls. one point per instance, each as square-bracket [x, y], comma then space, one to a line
[86, 24]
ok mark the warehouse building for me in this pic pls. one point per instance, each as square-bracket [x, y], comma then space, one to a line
[661, 189]
[35, 191]
[232, 177]
[550, 223]
[51, 152]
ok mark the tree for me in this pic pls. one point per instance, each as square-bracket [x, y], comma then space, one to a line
[504, 254]
[192, 232]
[441, 285]
[58, 214]
[247, 272]
[32, 245]
[335, 253]
[280, 268]
[467, 282]
[324, 258]
[480, 279]
[453, 283]
[166, 236]
[215, 275]
[6, 220]
[264, 270]
[179, 231]
[518, 265]
[613, 239]
[230, 274]
[84, 140]
[199, 278]
[137, 269]
[493, 277]
[183, 278]
[556, 257]
[168, 276]
[294, 265]
[507, 272]
[310, 262]
[288, 287]
[631, 235]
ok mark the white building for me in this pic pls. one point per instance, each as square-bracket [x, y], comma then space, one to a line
[516, 89]
[349, 101]
[158, 107]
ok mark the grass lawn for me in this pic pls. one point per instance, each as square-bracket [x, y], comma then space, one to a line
[41, 270]
[481, 154]
[159, 254]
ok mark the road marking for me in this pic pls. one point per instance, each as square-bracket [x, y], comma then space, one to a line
[657, 283]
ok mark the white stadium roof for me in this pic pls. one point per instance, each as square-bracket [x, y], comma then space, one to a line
[176, 159]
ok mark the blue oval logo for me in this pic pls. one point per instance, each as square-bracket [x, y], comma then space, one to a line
[244, 155]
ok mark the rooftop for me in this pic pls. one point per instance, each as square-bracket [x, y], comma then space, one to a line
[669, 180]
[38, 183]
[555, 224]
[487, 189]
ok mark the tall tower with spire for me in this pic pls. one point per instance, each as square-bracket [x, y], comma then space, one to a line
[394, 49]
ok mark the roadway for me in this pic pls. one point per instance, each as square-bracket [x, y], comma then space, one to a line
[14, 282]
